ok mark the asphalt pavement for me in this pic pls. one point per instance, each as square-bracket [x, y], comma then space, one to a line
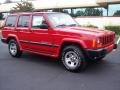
[34, 72]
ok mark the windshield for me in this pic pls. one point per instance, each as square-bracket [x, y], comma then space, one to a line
[61, 19]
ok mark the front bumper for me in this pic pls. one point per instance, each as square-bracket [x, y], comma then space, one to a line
[96, 54]
[99, 53]
[115, 46]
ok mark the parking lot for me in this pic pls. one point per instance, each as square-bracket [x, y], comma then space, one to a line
[34, 72]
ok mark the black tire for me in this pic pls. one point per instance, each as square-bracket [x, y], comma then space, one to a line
[79, 63]
[12, 51]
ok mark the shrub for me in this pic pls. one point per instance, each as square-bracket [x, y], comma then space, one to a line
[116, 29]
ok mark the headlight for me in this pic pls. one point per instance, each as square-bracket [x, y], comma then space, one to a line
[99, 43]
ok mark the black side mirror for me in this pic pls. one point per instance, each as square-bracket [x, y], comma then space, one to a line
[44, 26]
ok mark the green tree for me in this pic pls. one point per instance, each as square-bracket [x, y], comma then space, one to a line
[1, 16]
[65, 11]
[117, 13]
[80, 13]
[57, 10]
[89, 12]
[23, 7]
[93, 12]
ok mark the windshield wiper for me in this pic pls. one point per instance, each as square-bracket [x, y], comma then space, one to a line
[73, 25]
[61, 25]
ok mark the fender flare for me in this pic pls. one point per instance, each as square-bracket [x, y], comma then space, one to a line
[16, 38]
[71, 40]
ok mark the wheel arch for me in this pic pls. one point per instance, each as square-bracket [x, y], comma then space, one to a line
[71, 42]
[11, 36]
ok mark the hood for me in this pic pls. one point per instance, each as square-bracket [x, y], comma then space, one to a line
[84, 31]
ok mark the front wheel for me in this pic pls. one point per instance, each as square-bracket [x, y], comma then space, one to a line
[14, 49]
[73, 58]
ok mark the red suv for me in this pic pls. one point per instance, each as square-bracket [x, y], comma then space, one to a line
[56, 35]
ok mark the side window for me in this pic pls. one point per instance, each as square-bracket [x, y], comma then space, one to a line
[38, 21]
[23, 21]
[11, 20]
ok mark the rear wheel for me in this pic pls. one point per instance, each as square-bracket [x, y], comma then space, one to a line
[14, 48]
[73, 58]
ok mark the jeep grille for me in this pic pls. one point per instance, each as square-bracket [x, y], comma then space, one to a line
[107, 39]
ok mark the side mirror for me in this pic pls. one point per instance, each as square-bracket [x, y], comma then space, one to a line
[44, 26]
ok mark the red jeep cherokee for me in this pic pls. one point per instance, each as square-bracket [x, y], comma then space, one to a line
[56, 35]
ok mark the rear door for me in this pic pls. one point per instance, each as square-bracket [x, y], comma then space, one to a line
[24, 31]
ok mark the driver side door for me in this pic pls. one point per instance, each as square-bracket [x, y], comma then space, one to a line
[40, 37]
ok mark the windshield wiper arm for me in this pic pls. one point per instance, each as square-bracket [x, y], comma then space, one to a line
[73, 25]
[61, 25]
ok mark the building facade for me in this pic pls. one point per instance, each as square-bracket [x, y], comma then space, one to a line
[95, 12]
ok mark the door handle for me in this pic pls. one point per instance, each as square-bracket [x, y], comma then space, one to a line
[21, 31]
[11, 28]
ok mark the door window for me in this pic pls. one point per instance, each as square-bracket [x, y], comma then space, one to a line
[38, 22]
[11, 20]
[23, 21]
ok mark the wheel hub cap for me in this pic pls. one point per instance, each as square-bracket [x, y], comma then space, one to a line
[71, 59]
[13, 48]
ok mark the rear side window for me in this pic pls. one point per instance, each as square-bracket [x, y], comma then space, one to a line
[11, 20]
[23, 21]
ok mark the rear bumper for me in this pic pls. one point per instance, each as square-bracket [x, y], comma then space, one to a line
[99, 53]
[4, 40]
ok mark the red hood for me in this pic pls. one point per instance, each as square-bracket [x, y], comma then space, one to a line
[85, 30]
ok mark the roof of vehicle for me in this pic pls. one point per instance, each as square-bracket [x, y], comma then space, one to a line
[23, 13]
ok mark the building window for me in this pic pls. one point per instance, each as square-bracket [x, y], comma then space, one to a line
[98, 11]
[3, 15]
[114, 10]
[67, 11]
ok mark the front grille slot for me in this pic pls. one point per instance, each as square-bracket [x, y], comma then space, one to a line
[107, 39]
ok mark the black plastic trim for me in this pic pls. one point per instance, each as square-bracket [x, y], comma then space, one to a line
[40, 43]
[95, 54]
[4, 40]
[115, 46]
